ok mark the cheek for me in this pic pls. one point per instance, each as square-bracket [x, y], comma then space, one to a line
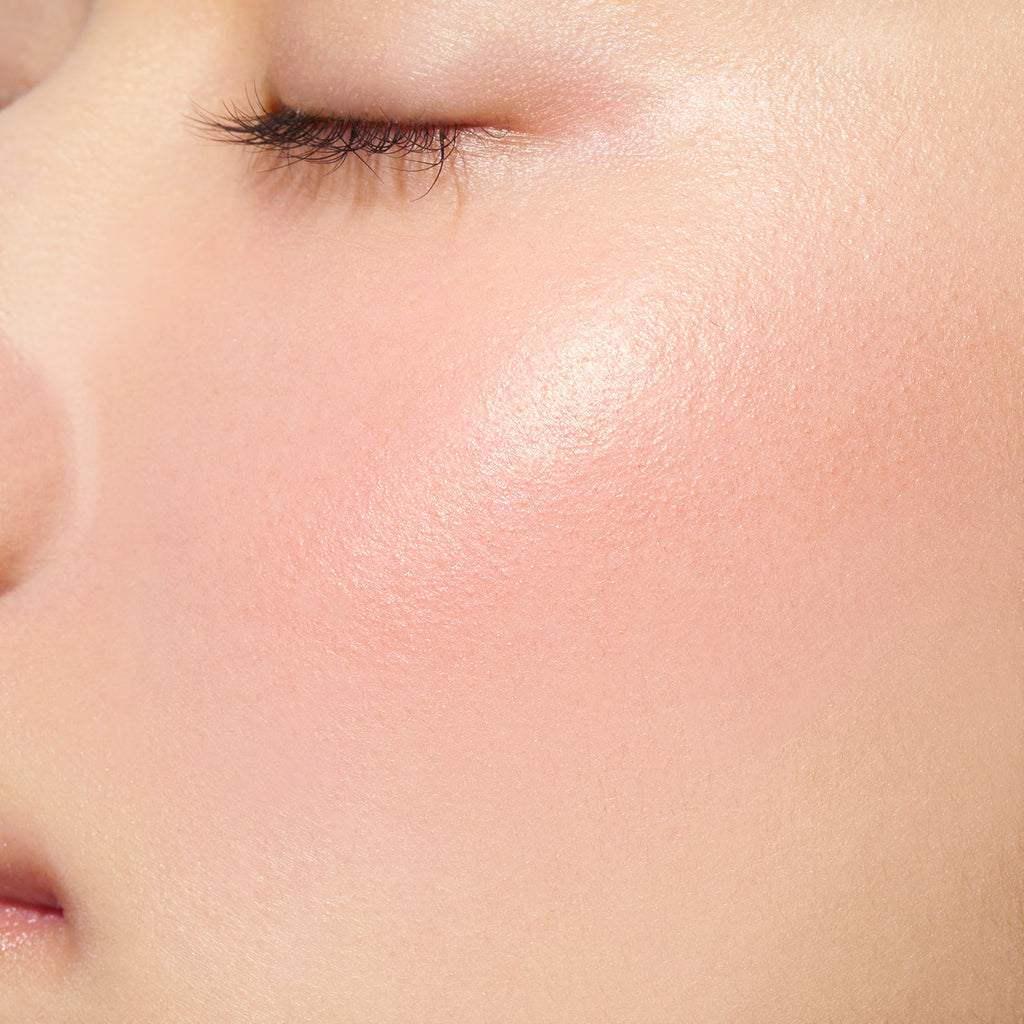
[490, 586]
[524, 508]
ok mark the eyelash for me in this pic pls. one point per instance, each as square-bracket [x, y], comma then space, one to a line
[328, 141]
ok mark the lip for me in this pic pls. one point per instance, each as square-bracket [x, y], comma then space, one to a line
[31, 908]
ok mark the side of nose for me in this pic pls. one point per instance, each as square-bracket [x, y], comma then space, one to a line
[62, 174]
[34, 467]
[96, 163]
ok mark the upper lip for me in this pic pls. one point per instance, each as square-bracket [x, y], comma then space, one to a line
[26, 878]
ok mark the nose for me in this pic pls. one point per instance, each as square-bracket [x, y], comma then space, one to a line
[57, 185]
[33, 466]
[93, 178]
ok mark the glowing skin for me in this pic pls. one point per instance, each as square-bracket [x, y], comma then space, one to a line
[588, 592]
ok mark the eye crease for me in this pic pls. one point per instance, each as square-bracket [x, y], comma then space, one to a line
[326, 140]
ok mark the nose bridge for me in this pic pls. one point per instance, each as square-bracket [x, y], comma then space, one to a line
[91, 162]
[77, 165]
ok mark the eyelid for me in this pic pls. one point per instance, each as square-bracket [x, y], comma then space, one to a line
[329, 140]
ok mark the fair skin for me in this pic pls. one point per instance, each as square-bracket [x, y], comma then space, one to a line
[579, 585]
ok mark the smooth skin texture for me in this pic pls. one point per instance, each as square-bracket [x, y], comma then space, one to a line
[587, 590]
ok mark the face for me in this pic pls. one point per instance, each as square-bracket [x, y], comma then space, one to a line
[561, 561]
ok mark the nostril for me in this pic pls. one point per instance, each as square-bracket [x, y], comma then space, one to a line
[33, 466]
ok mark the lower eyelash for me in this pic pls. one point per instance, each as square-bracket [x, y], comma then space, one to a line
[316, 138]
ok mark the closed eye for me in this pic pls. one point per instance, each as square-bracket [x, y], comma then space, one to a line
[292, 136]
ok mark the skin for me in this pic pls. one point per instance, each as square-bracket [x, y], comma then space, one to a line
[584, 590]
